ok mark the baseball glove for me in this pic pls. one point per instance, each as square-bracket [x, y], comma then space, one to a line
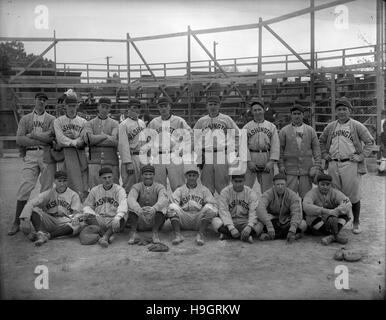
[158, 247]
[90, 235]
[347, 255]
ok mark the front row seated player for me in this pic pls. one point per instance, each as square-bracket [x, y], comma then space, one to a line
[105, 207]
[192, 208]
[147, 204]
[237, 210]
[327, 210]
[53, 213]
[280, 212]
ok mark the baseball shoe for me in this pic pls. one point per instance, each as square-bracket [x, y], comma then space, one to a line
[111, 238]
[132, 238]
[356, 228]
[155, 238]
[14, 229]
[200, 239]
[224, 236]
[264, 237]
[328, 239]
[42, 237]
[250, 239]
[103, 242]
[341, 239]
[178, 239]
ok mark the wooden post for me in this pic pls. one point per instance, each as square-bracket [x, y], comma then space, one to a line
[165, 71]
[128, 66]
[235, 64]
[379, 64]
[333, 96]
[188, 71]
[56, 80]
[210, 65]
[260, 69]
[343, 57]
[286, 63]
[88, 74]
[312, 78]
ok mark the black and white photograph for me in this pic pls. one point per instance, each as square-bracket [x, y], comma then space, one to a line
[192, 150]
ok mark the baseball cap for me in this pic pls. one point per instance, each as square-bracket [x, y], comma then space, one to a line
[164, 100]
[134, 102]
[105, 170]
[190, 168]
[236, 172]
[148, 168]
[70, 100]
[324, 177]
[215, 99]
[280, 176]
[297, 107]
[60, 174]
[104, 100]
[41, 95]
[343, 102]
[257, 101]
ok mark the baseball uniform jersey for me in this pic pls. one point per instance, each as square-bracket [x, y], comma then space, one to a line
[129, 147]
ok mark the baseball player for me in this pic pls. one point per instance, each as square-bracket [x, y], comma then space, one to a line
[237, 210]
[53, 213]
[327, 210]
[193, 207]
[279, 212]
[102, 139]
[168, 139]
[106, 207]
[130, 144]
[34, 136]
[69, 132]
[263, 148]
[147, 202]
[341, 146]
[214, 173]
[300, 157]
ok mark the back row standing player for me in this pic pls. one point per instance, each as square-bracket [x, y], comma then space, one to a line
[101, 134]
[341, 146]
[166, 125]
[34, 135]
[214, 175]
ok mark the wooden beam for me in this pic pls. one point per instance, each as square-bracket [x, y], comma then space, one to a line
[288, 46]
[128, 65]
[333, 96]
[379, 64]
[260, 60]
[312, 77]
[34, 60]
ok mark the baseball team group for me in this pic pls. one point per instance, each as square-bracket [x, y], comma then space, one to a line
[109, 190]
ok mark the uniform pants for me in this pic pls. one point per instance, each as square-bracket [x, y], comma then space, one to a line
[34, 166]
[345, 177]
[264, 178]
[215, 172]
[299, 184]
[129, 180]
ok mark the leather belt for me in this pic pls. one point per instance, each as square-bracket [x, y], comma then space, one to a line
[262, 150]
[165, 152]
[135, 153]
[215, 150]
[341, 160]
[34, 148]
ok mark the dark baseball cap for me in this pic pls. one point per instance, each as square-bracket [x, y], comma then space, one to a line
[280, 176]
[343, 102]
[105, 100]
[134, 102]
[70, 100]
[105, 170]
[41, 95]
[164, 100]
[297, 107]
[257, 101]
[148, 168]
[60, 175]
[215, 99]
[324, 177]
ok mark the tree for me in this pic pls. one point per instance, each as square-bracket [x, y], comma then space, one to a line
[13, 54]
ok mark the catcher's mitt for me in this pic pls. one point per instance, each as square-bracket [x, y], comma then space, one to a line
[158, 247]
[143, 242]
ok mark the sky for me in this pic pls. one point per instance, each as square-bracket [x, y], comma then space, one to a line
[113, 19]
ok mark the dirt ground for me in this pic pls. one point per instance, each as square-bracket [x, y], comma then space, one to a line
[218, 270]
